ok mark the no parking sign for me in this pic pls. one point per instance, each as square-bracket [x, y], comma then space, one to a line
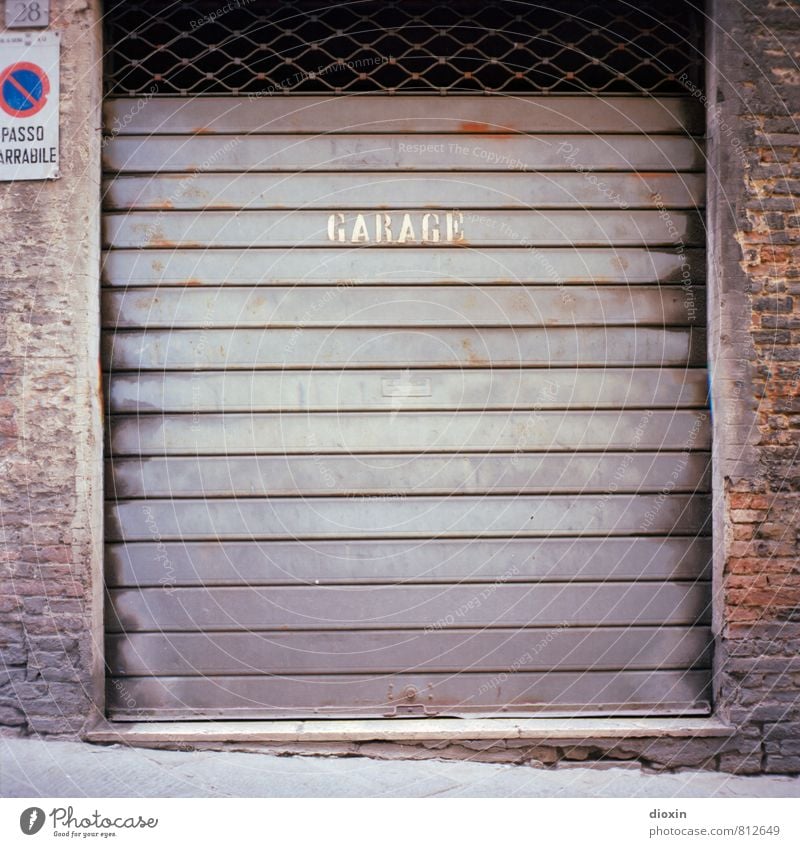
[29, 65]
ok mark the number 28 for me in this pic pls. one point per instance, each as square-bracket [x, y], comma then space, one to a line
[29, 12]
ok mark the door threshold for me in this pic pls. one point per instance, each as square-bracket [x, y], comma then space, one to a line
[399, 729]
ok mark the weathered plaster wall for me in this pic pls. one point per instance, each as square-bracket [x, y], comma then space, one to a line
[50, 443]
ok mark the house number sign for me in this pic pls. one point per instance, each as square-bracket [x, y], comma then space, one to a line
[27, 14]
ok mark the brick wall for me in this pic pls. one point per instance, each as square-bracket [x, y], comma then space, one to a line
[754, 87]
[49, 412]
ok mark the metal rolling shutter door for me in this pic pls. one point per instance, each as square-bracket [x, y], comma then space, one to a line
[370, 479]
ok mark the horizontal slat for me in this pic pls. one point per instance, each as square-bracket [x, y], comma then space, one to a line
[319, 562]
[587, 694]
[433, 306]
[400, 606]
[382, 432]
[412, 191]
[612, 388]
[332, 517]
[392, 475]
[243, 653]
[468, 152]
[377, 266]
[565, 644]
[250, 349]
[203, 115]
[523, 229]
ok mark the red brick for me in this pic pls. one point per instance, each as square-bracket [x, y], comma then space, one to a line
[746, 500]
[747, 516]
[746, 582]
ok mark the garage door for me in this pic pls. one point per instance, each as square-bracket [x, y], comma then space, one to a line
[407, 406]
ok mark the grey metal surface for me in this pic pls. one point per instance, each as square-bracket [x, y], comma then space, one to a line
[407, 606]
[555, 692]
[523, 228]
[407, 432]
[362, 152]
[423, 306]
[388, 266]
[387, 474]
[416, 114]
[398, 516]
[479, 190]
[280, 349]
[352, 390]
[187, 563]
[339, 469]
[402, 651]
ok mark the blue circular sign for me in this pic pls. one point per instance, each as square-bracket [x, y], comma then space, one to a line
[23, 89]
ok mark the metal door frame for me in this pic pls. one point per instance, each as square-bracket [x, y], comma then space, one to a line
[722, 261]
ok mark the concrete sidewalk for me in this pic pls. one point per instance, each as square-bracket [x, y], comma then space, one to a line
[36, 768]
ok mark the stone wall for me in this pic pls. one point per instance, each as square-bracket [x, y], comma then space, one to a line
[50, 444]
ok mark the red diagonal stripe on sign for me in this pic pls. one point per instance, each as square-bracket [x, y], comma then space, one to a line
[23, 91]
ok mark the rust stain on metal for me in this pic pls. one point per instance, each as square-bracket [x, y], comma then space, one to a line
[472, 357]
[479, 128]
[149, 233]
[175, 245]
[193, 191]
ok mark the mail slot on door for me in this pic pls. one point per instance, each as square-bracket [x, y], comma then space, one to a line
[406, 387]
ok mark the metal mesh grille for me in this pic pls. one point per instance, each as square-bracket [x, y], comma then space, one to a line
[399, 46]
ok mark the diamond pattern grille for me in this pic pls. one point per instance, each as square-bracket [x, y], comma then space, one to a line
[401, 46]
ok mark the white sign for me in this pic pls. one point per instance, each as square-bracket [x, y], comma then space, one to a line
[27, 14]
[29, 83]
